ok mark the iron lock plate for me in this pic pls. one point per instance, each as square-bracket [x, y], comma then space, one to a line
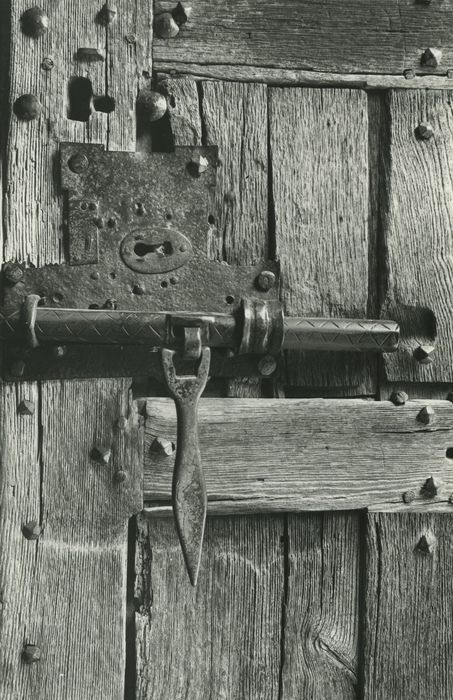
[139, 233]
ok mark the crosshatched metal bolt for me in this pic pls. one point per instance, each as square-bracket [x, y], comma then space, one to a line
[34, 22]
[423, 354]
[267, 365]
[181, 14]
[107, 13]
[78, 162]
[431, 57]
[425, 131]
[27, 108]
[13, 272]
[431, 487]
[26, 407]
[101, 454]
[427, 415]
[153, 104]
[409, 496]
[427, 543]
[265, 280]
[31, 530]
[47, 63]
[31, 653]
[165, 26]
[399, 398]
[163, 446]
[120, 476]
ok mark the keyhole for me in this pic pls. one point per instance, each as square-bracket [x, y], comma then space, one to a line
[160, 249]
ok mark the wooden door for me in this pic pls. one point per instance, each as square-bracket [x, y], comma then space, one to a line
[326, 571]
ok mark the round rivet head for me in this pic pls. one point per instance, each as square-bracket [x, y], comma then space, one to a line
[152, 104]
[31, 654]
[31, 530]
[47, 63]
[267, 365]
[34, 22]
[13, 273]
[165, 26]
[409, 496]
[120, 476]
[425, 131]
[27, 108]
[265, 280]
[78, 162]
[399, 398]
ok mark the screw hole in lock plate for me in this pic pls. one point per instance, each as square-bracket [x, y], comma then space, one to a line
[155, 250]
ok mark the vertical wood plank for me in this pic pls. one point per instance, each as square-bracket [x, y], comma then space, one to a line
[320, 634]
[220, 640]
[418, 216]
[408, 640]
[319, 150]
[76, 608]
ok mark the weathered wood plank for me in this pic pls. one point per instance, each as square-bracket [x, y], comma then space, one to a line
[321, 607]
[408, 641]
[306, 78]
[78, 587]
[418, 214]
[222, 639]
[309, 454]
[319, 151]
[334, 36]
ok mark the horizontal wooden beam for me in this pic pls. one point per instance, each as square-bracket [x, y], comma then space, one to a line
[296, 37]
[306, 78]
[273, 455]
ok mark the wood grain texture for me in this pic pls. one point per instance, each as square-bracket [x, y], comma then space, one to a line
[305, 78]
[408, 641]
[222, 639]
[319, 150]
[418, 216]
[321, 630]
[308, 454]
[75, 608]
[334, 36]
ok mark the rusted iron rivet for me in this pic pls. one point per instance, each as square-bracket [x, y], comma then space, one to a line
[423, 354]
[399, 398]
[78, 162]
[267, 365]
[120, 476]
[12, 272]
[31, 530]
[409, 496]
[181, 14]
[425, 131]
[101, 454]
[26, 407]
[427, 415]
[265, 280]
[430, 488]
[163, 446]
[107, 13]
[47, 63]
[152, 104]
[31, 654]
[165, 26]
[34, 22]
[27, 108]
[431, 58]
[427, 543]
[409, 74]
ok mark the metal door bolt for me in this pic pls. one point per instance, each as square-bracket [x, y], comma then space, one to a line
[423, 354]
[34, 22]
[427, 415]
[165, 26]
[31, 530]
[101, 454]
[427, 543]
[26, 407]
[27, 108]
[163, 446]
[31, 654]
[431, 58]
[399, 398]
[431, 487]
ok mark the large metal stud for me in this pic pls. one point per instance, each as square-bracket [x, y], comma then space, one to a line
[34, 22]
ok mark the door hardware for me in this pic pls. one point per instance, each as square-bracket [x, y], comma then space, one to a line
[141, 294]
